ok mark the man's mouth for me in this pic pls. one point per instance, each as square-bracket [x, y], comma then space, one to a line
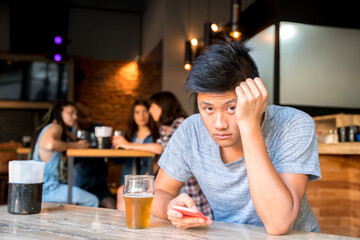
[222, 136]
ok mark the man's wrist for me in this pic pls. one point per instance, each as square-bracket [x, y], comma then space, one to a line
[248, 127]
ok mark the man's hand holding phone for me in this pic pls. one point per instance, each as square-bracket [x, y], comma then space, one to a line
[183, 214]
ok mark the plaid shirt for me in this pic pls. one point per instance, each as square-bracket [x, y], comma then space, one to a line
[192, 188]
[166, 135]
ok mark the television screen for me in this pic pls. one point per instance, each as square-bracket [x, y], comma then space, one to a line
[319, 65]
[33, 80]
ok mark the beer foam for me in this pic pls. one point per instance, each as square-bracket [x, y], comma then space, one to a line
[138, 195]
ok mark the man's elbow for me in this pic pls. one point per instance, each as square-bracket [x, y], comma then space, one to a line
[277, 228]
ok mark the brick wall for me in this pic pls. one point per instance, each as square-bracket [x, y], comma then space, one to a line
[110, 87]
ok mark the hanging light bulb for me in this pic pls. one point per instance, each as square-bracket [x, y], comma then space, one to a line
[235, 34]
[214, 27]
[194, 42]
[187, 65]
[235, 19]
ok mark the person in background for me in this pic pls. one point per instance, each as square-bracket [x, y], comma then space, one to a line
[252, 161]
[49, 144]
[91, 173]
[141, 129]
[168, 113]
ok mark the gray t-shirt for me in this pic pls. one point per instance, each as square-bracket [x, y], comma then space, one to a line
[292, 146]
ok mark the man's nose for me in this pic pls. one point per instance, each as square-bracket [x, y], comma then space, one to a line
[221, 121]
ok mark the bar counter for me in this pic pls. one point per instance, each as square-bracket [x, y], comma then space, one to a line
[58, 221]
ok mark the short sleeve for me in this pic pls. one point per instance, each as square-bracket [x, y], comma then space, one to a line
[297, 150]
[174, 160]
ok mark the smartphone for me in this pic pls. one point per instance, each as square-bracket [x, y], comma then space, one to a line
[190, 212]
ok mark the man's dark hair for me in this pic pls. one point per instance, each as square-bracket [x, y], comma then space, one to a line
[170, 107]
[221, 68]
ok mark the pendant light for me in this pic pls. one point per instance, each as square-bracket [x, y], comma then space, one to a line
[187, 65]
[235, 19]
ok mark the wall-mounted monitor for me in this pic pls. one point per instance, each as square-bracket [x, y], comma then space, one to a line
[30, 80]
[318, 69]
[319, 65]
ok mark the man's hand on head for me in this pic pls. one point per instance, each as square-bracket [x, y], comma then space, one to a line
[184, 222]
[251, 102]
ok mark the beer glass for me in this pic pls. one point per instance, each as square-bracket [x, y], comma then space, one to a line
[138, 196]
[118, 133]
[81, 135]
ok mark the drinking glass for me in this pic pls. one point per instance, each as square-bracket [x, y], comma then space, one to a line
[81, 134]
[118, 133]
[138, 196]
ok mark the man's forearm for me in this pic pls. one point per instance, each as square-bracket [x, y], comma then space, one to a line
[160, 203]
[272, 199]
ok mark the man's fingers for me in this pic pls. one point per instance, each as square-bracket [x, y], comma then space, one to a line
[245, 87]
[253, 88]
[189, 222]
[239, 92]
[187, 200]
[260, 85]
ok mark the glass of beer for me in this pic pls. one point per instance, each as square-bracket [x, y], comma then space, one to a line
[138, 196]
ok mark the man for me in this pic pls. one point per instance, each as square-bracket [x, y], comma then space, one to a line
[252, 161]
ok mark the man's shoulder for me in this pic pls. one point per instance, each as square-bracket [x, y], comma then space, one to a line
[287, 115]
[193, 124]
[192, 128]
[193, 120]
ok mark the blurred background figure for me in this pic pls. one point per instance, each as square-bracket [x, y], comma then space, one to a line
[51, 139]
[91, 173]
[141, 129]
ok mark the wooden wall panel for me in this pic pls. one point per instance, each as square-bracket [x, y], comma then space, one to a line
[335, 198]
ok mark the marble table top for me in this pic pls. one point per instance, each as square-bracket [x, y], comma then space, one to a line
[61, 221]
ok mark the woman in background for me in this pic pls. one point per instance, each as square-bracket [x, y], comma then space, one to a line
[168, 114]
[141, 130]
[49, 144]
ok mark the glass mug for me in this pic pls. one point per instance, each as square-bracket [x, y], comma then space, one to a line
[119, 133]
[138, 196]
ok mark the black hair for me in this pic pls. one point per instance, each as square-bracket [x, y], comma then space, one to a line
[170, 107]
[221, 68]
[54, 113]
[133, 127]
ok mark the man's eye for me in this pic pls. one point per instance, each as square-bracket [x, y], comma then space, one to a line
[231, 109]
[208, 109]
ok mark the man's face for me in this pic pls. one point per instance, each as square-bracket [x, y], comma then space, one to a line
[217, 111]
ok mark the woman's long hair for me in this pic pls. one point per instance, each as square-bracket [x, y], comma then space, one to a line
[170, 107]
[133, 127]
[54, 113]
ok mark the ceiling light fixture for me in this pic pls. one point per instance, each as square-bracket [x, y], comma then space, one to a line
[188, 57]
[235, 19]
[194, 42]
[214, 27]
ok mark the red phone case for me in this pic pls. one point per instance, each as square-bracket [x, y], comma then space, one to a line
[190, 212]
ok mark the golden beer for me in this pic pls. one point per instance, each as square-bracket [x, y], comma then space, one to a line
[138, 209]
